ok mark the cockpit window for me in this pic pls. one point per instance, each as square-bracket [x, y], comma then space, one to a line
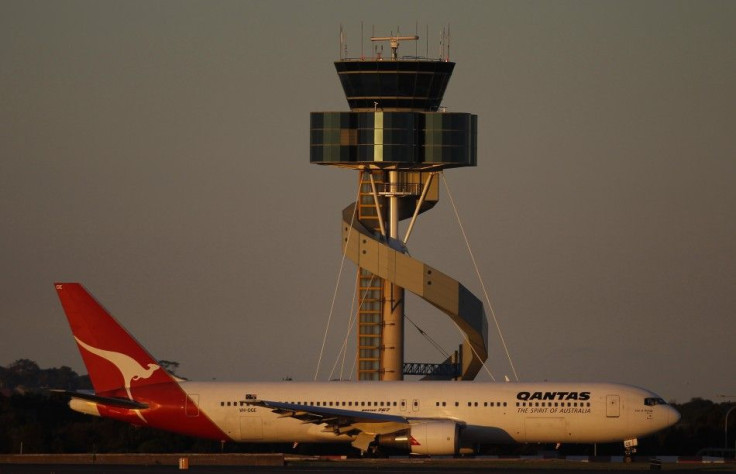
[651, 401]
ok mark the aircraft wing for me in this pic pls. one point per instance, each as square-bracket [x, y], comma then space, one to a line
[363, 425]
[331, 416]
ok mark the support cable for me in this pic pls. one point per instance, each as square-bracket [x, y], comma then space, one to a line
[353, 320]
[355, 363]
[434, 343]
[337, 286]
[343, 348]
[472, 348]
[482, 284]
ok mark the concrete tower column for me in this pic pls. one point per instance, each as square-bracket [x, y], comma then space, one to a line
[392, 355]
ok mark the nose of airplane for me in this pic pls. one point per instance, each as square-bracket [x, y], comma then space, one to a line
[673, 416]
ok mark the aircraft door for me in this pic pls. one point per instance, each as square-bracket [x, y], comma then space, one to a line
[403, 404]
[613, 406]
[415, 405]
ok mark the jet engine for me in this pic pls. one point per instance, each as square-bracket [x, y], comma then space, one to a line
[440, 437]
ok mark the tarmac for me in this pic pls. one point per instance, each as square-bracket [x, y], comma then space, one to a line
[279, 463]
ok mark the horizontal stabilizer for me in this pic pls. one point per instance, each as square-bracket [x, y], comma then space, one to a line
[108, 401]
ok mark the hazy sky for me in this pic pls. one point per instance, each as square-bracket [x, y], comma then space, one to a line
[158, 152]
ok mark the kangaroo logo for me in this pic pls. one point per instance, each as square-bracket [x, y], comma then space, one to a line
[129, 368]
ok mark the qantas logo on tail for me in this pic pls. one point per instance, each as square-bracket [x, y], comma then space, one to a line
[129, 368]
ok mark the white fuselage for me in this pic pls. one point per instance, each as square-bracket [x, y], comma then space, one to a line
[487, 412]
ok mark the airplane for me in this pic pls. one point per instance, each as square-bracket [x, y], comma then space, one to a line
[414, 417]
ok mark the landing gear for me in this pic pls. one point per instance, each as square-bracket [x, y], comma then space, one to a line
[373, 452]
[630, 449]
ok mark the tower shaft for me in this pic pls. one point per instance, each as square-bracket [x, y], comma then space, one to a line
[392, 355]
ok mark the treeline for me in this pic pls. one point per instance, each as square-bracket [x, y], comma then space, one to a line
[34, 420]
[25, 375]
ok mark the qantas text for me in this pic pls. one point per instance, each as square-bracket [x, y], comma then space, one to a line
[553, 396]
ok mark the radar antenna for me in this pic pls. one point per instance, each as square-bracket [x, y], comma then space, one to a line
[394, 42]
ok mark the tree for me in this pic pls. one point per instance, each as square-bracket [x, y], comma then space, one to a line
[169, 366]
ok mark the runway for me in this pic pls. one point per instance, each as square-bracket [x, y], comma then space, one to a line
[391, 466]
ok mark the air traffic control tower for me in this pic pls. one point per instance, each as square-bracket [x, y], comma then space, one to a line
[398, 137]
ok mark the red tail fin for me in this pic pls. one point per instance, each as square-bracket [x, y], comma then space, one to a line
[114, 359]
